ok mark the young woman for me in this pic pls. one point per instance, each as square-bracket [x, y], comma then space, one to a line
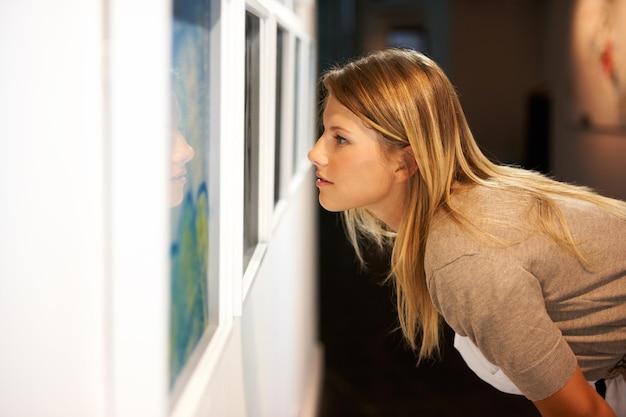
[529, 272]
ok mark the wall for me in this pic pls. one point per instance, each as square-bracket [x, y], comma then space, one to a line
[282, 362]
[491, 50]
[53, 253]
[496, 51]
[592, 155]
[502, 51]
[84, 265]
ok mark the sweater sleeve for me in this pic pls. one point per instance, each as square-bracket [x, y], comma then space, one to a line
[499, 305]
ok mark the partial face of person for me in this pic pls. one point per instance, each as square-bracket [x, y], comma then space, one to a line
[352, 171]
[181, 154]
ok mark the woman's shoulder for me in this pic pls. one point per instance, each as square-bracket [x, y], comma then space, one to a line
[477, 220]
[487, 199]
[489, 220]
[480, 207]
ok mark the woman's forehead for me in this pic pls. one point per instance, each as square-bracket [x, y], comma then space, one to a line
[335, 110]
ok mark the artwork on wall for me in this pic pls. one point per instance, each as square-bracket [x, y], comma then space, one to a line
[599, 64]
[189, 194]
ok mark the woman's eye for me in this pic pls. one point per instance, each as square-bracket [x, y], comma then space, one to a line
[340, 140]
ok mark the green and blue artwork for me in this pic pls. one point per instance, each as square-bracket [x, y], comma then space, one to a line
[189, 293]
[189, 195]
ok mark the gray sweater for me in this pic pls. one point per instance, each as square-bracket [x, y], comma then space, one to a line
[531, 308]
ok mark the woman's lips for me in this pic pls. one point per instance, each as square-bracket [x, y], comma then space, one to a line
[181, 177]
[321, 181]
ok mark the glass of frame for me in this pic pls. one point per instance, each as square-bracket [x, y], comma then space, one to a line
[251, 137]
[189, 193]
[280, 53]
[296, 106]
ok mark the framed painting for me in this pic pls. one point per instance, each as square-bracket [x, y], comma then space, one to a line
[190, 316]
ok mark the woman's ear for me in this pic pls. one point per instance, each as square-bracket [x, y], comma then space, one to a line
[407, 166]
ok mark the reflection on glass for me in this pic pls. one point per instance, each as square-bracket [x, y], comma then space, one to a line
[188, 182]
[280, 42]
[181, 153]
[251, 157]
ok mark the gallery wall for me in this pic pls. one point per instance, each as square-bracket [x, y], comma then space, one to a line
[572, 52]
[587, 65]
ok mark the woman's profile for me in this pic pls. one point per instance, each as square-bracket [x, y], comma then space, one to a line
[528, 271]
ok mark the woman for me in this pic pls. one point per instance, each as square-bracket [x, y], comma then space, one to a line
[528, 271]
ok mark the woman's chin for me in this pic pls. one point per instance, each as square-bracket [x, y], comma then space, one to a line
[176, 196]
[329, 206]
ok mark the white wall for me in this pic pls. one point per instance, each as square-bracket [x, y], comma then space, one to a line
[52, 219]
[281, 357]
[84, 274]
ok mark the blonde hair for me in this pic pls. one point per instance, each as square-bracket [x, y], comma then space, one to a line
[408, 99]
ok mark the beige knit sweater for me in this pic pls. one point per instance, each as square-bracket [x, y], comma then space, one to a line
[531, 308]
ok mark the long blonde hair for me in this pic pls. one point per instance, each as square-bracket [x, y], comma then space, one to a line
[408, 99]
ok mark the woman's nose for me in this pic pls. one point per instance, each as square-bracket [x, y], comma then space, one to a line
[316, 154]
[182, 151]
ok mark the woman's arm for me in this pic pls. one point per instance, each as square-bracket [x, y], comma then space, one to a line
[576, 399]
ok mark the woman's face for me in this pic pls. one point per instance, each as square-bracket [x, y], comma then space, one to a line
[352, 171]
[181, 154]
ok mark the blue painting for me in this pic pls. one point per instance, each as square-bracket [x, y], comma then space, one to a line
[189, 195]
